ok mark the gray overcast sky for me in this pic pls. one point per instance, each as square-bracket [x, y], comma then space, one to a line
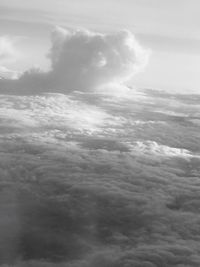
[170, 28]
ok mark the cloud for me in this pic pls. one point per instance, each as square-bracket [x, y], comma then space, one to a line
[85, 60]
[8, 52]
[53, 111]
[82, 60]
[152, 148]
[124, 194]
[92, 180]
[7, 73]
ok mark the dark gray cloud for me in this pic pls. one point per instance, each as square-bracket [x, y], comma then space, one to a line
[111, 182]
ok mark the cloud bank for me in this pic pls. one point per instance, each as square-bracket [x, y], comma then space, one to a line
[82, 60]
[108, 184]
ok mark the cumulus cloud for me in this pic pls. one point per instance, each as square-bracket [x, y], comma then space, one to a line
[8, 53]
[85, 60]
[82, 60]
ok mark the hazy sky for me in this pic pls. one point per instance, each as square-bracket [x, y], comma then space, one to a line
[170, 28]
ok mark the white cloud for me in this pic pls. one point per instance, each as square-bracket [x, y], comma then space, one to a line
[82, 60]
[6, 73]
[152, 148]
[52, 111]
[8, 52]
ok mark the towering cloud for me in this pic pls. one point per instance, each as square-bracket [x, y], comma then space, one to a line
[82, 60]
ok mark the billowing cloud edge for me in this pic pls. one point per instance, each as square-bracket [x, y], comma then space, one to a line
[84, 60]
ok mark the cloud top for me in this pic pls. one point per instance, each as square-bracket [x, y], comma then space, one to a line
[83, 60]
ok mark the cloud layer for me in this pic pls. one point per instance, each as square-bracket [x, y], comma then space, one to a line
[82, 60]
[113, 184]
[88, 179]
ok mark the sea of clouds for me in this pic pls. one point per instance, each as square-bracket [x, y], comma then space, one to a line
[92, 172]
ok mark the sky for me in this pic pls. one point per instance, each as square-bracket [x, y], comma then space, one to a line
[170, 29]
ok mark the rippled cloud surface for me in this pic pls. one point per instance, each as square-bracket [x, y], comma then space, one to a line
[92, 179]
